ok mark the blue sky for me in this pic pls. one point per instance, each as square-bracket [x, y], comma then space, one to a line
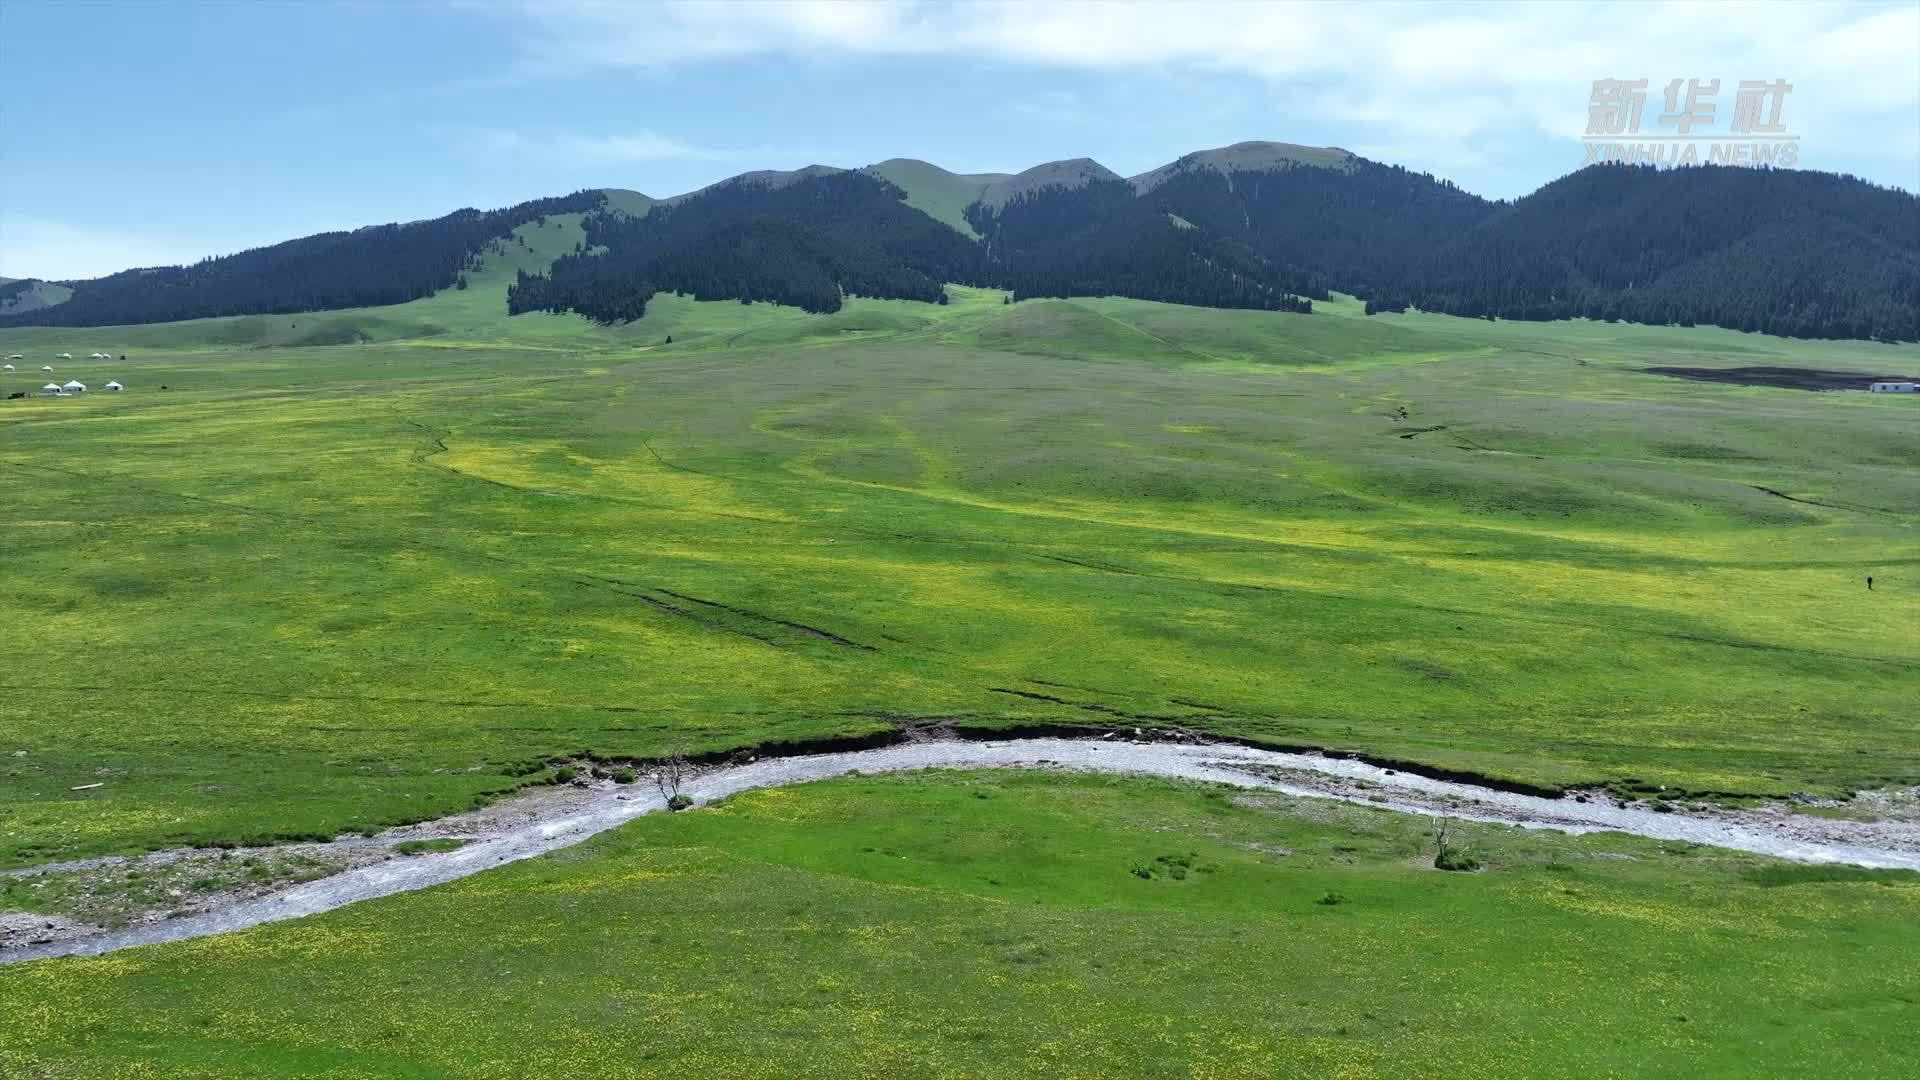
[147, 133]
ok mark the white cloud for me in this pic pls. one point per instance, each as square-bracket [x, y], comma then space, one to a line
[37, 247]
[1415, 78]
[579, 149]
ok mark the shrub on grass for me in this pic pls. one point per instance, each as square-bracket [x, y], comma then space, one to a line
[565, 774]
[1448, 854]
[624, 775]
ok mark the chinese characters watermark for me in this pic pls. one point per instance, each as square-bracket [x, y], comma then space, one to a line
[1683, 128]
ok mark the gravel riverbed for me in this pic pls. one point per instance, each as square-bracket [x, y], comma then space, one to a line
[554, 818]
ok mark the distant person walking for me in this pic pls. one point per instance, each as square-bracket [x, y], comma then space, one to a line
[1869, 582]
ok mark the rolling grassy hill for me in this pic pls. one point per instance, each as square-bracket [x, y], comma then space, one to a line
[370, 566]
[319, 572]
[630, 203]
[311, 586]
[30, 294]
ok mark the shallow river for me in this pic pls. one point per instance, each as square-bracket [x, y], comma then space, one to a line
[1338, 778]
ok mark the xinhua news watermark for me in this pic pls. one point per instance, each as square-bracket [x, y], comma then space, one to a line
[1684, 132]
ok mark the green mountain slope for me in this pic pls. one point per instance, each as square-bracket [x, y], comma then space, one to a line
[934, 191]
[20, 295]
[630, 203]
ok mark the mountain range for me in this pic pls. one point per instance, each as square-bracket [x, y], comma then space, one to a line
[1255, 225]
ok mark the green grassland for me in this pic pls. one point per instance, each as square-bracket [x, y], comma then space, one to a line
[361, 567]
[944, 924]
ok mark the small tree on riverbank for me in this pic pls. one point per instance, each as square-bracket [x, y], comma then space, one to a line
[1448, 852]
[669, 775]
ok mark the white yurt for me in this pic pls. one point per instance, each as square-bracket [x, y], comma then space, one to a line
[51, 388]
[46, 367]
[74, 386]
[114, 386]
[9, 367]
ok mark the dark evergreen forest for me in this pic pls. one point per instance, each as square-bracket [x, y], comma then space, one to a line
[1802, 254]
[819, 238]
[1101, 239]
[1350, 229]
[805, 243]
[1786, 252]
[379, 264]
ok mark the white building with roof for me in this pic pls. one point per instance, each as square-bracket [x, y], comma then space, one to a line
[1896, 386]
[74, 386]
